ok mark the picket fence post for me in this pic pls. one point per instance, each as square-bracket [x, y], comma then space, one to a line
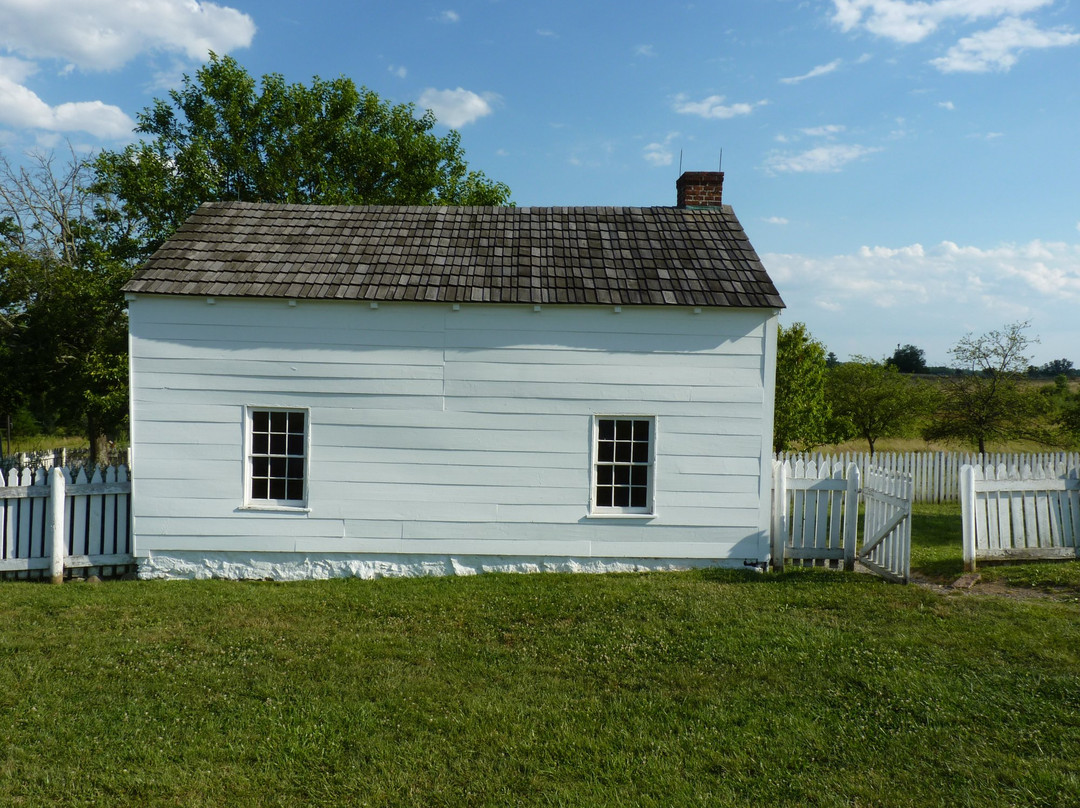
[851, 515]
[56, 504]
[779, 514]
[967, 500]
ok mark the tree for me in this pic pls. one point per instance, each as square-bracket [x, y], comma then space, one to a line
[63, 354]
[985, 400]
[802, 413]
[873, 400]
[220, 137]
[908, 359]
[1052, 369]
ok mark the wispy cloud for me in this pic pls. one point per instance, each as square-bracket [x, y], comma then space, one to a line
[714, 107]
[449, 16]
[949, 105]
[775, 220]
[819, 160]
[823, 131]
[459, 107]
[920, 288]
[660, 153]
[820, 70]
[909, 22]
[999, 48]
[398, 70]
[644, 50]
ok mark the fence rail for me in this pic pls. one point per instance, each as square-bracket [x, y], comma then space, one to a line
[61, 520]
[935, 475]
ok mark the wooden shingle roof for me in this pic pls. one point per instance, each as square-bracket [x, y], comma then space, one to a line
[587, 255]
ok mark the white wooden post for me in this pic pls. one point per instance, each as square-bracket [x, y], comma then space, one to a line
[779, 514]
[56, 501]
[851, 515]
[967, 510]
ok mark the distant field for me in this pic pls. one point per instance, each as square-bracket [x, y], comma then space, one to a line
[705, 688]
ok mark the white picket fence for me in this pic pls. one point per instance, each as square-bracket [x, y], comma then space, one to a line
[64, 458]
[1020, 511]
[62, 520]
[935, 475]
[815, 517]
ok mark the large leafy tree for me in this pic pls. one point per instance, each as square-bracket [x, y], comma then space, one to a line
[987, 400]
[908, 359]
[802, 414]
[873, 400]
[224, 136]
[63, 329]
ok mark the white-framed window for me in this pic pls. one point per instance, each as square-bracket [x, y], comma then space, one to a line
[624, 451]
[276, 457]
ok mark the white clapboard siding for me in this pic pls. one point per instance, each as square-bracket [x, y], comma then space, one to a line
[472, 425]
[1020, 511]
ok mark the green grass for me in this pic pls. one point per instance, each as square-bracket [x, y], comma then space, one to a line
[709, 688]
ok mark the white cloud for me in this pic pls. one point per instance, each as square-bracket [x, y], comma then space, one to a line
[660, 154]
[644, 50]
[949, 105]
[714, 107]
[459, 107]
[823, 131]
[998, 48]
[449, 16]
[398, 70]
[23, 108]
[106, 34]
[909, 22]
[820, 70]
[820, 160]
[775, 220]
[912, 294]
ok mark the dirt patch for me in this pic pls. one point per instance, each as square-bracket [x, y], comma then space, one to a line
[973, 584]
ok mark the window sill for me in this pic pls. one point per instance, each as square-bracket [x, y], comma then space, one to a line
[619, 515]
[275, 508]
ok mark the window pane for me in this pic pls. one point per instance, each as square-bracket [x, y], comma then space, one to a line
[277, 443]
[606, 429]
[622, 452]
[623, 430]
[603, 497]
[603, 475]
[295, 489]
[296, 422]
[260, 467]
[296, 468]
[641, 453]
[622, 475]
[277, 489]
[260, 421]
[639, 475]
[296, 444]
[260, 489]
[260, 443]
[278, 421]
[606, 452]
[278, 466]
[622, 497]
[638, 498]
[641, 430]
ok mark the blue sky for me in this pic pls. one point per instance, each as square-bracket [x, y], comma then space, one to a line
[908, 171]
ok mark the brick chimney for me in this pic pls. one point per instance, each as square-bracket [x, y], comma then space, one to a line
[700, 189]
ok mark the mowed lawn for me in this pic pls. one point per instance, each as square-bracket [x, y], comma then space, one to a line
[704, 688]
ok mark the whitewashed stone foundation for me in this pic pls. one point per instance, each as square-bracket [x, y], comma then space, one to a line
[299, 567]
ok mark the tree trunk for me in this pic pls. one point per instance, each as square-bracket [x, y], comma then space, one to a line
[99, 442]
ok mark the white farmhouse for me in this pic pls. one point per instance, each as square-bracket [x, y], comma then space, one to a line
[320, 391]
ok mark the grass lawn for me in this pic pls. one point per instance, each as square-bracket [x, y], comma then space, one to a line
[705, 688]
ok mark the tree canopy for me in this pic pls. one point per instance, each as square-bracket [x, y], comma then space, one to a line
[985, 400]
[802, 412]
[873, 400]
[224, 136]
[908, 359]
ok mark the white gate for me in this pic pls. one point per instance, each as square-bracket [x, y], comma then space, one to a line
[886, 548]
[815, 510]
